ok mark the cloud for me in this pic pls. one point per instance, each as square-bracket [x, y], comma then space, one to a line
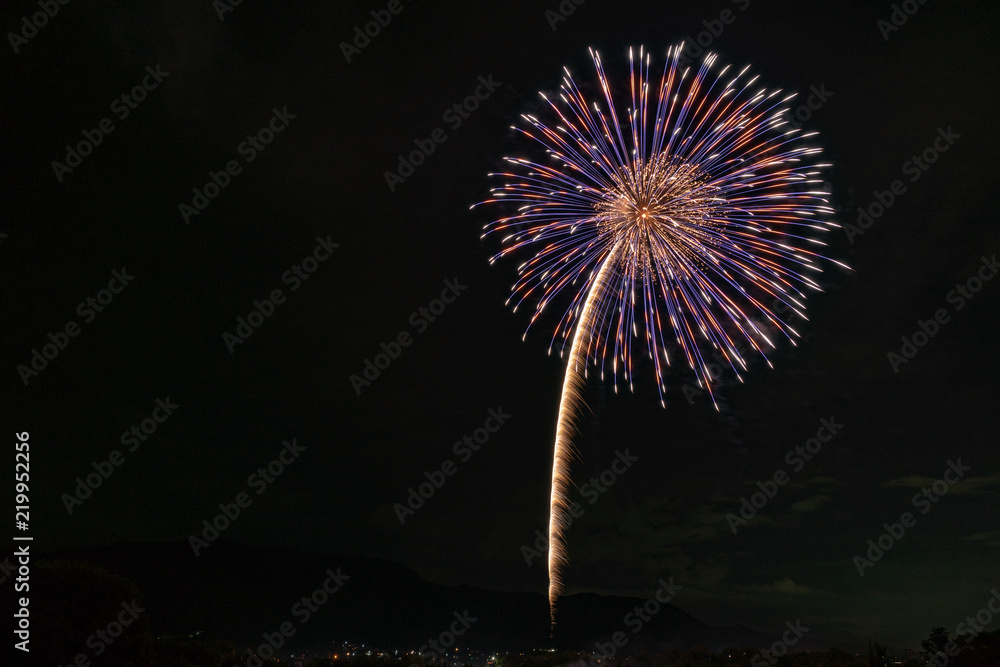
[990, 538]
[783, 587]
[968, 486]
[820, 479]
[811, 504]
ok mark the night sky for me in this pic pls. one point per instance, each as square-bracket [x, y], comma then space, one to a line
[311, 214]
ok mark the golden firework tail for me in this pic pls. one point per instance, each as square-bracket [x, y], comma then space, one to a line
[569, 409]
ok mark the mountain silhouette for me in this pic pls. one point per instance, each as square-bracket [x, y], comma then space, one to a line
[238, 592]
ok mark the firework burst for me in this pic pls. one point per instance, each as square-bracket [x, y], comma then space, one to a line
[675, 223]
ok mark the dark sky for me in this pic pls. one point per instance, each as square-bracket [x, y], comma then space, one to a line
[322, 176]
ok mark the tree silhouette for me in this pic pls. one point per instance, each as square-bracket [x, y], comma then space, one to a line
[876, 655]
[982, 651]
[936, 642]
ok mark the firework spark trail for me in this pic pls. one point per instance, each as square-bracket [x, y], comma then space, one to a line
[695, 205]
[570, 403]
